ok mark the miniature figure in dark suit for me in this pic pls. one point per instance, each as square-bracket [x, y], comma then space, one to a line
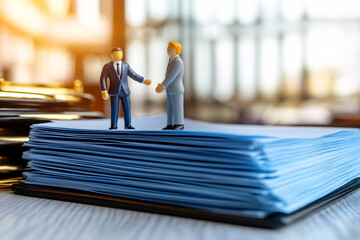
[174, 86]
[117, 72]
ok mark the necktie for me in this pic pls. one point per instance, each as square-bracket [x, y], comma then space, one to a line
[117, 69]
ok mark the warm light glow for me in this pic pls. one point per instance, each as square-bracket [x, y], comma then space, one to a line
[14, 139]
[39, 90]
[23, 95]
[88, 11]
[58, 9]
[321, 83]
[10, 180]
[67, 98]
[52, 116]
[48, 89]
[8, 168]
[38, 38]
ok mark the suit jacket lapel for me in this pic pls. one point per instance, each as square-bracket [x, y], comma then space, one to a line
[170, 64]
[122, 70]
[167, 69]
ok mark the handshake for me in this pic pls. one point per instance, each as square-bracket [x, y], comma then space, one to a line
[160, 88]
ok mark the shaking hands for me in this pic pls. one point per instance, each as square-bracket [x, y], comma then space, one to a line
[160, 88]
[147, 81]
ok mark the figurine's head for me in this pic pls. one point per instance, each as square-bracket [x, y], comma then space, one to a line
[116, 54]
[174, 49]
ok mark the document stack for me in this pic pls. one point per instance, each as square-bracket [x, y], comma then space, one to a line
[264, 176]
[24, 104]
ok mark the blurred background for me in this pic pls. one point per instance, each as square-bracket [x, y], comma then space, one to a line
[293, 62]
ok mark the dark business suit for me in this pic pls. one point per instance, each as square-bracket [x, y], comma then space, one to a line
[119, 89]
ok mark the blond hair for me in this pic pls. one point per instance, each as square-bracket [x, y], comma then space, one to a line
[176, 45]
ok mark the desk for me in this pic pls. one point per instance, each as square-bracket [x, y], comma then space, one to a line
[34, 218]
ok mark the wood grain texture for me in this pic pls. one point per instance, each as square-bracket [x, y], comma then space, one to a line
[34, 218]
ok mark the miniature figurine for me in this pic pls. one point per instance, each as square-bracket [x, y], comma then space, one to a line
[117, 71]
[173, 84]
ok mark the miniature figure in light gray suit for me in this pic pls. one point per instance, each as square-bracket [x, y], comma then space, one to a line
[174, 86]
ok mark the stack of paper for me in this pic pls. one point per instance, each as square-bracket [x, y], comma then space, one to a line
[230, 169]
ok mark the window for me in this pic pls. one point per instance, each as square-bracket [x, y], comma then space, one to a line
[251, 49]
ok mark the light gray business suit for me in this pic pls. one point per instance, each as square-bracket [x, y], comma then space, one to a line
[174, 86]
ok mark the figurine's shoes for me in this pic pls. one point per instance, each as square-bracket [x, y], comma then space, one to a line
[129, 127]
[112, 127]
[178, 127]
[168, 127]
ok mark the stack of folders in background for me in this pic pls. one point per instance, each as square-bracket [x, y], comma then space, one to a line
[255, 175]
[24, 104]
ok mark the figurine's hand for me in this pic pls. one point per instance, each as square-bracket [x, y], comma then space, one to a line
[105, 95]
[160, 88]
[147, 82]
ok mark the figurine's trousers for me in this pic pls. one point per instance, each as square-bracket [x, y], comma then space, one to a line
[125, 103]
[175, 109]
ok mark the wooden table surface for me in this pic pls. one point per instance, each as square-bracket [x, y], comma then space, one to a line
[34, 218]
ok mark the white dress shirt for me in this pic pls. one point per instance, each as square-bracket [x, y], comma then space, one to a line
[115, 67]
